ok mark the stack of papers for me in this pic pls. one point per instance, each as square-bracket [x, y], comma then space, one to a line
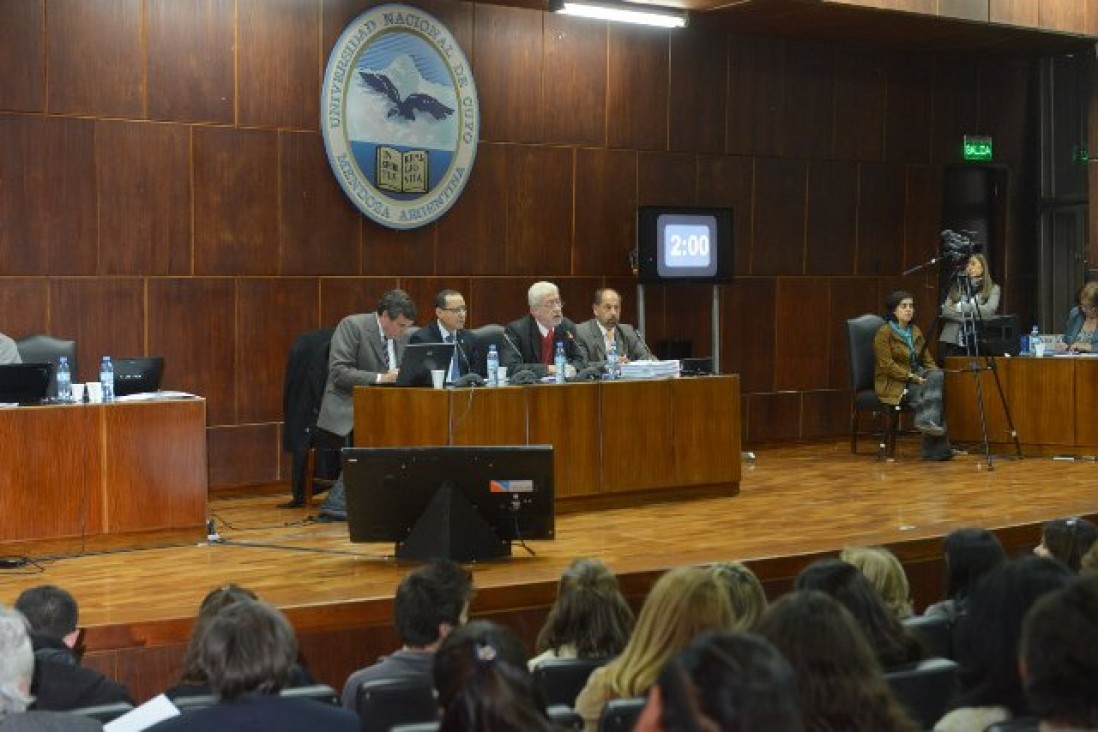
[649, 369]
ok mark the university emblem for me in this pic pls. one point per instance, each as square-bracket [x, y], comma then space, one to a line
[400, 116]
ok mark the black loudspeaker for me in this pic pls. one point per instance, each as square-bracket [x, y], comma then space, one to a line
[452, 528]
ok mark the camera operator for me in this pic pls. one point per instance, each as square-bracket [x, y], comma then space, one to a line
[972, 298]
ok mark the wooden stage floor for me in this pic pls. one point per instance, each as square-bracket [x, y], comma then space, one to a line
[795, 502]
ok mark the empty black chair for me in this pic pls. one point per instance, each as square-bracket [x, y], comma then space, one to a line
[859, 340]
[42, 348]
[924, 688]
[104, 712]
[386, 703]
[490, 334]
[935, 631]
[562, 679]
[621, 715]
[302, 393]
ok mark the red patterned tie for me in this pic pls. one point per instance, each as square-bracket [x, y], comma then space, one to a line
[547, 348]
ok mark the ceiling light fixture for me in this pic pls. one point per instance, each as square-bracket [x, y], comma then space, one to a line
[621, 12]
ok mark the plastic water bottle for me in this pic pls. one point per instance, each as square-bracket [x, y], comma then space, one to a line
[493, 366]
[106, 378]
[613, 363]
[560, 362]
[1034, 340]
[64, 380]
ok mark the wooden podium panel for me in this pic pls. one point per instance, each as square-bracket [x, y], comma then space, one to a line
[1042, 400]
[962, 403]
[102, 473]
[1086, 401]
[610, 438]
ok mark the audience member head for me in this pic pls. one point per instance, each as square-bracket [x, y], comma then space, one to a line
[969, 555]
[885, 574]
[988, 638]
[396, 311]
[589, 614]
[450, 310]
[1087, 295]
[431, 601]
[1067, 539]
[249, 647]
[893, 302]
[1060, 656]
[724, 682]
[893, 644]
[50, 611]
[545, 304]
[683, 602]
[483, 683]
[979, 277]
[607, 307]
[213, 603]
[745, 593]
[16, 663]
[840, 681]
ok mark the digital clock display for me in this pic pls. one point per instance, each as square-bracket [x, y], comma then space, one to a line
[686, 245]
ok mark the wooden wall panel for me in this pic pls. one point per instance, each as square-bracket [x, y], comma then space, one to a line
[881, 190]
[801, 346]
[507, 62]
[698, 91]
[1006, 110]
[244, 455]
[424, 289]
[106, 317]
[47, 208]
[503, 299]
[191, 70]
[390, 252]
[922, 214]
[748, 335]
[859, 104]
[773, 417]
[825, 413]
[235, 203]
[573, 92]
[636, 97]
[956, 109]
[756, 93]
[278, 77]
[907, 111]
[831, 228]
[1065, 16]
[698, 328]
[24, 306]
[271, 312]
[473, 230]
[729, 181]
[319, 228]
[340, 297]
[809, 102]
[849, 298]
[539, 203]
[604, 203]
[666, 179]
[22, 49]
[192, 324]
[143, 173]
[778, 244]
[95, 58]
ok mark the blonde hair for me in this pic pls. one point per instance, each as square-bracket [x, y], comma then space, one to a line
[986, 283]
[745, 593]
[885, 573]
[682, 603]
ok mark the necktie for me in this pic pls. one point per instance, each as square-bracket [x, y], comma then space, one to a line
[609, 339]
[547, 348]
[455, 366]
[389, 366]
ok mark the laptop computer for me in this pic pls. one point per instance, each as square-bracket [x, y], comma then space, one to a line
[25, 383]
[137, 375]
[420, 359]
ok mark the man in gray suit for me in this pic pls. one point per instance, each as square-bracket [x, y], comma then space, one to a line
[366, 350]
[594, 335]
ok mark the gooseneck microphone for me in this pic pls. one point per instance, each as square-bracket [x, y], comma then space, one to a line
[511, 343]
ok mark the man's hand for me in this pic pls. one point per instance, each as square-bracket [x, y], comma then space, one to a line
[390, 377]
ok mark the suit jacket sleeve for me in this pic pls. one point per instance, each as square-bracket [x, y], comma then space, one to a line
[635, 348]
[353, 362]
[524, 358]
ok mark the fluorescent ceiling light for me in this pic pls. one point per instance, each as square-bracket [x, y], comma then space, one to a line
[622, 12]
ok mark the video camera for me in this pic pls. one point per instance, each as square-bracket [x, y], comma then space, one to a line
[958, 245]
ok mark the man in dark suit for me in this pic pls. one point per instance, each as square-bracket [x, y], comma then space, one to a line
[449, 327]
[530, 342]
[594, 336]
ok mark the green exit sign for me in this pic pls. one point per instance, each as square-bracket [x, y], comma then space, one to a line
[977, 147]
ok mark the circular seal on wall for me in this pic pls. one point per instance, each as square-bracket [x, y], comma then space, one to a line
[400, 116]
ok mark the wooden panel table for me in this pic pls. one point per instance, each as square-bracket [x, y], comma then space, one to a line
[615, 442]
[1053, 402]
[96, 475]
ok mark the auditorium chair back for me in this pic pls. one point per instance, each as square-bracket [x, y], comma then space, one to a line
[562, 679]
[387, 703]
[924, 688]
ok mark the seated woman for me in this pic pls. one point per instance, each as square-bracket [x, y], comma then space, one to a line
[885, 572]
[905, 372]
[745, 593]
[1081, 330]
[1067, 540]
[973, 297]
[969, 555]
[682, 603]
[589, 619]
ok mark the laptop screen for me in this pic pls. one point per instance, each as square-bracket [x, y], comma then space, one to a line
[419, 359]
[25, 383]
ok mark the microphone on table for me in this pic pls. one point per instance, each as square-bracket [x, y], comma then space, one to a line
[522, 376]
[470, 379]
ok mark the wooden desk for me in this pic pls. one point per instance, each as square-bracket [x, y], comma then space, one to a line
[615, 441]
[1053, 401]
[86, 472]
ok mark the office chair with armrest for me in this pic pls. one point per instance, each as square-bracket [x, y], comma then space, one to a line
[489, 334]
[562, 679]
[386, 703]
[935, 631]
[863, 398]
[302, 393]
[924, 688]
[42, 348]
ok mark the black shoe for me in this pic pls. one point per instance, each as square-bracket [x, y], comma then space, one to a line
[930, 429]
[295, 503]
